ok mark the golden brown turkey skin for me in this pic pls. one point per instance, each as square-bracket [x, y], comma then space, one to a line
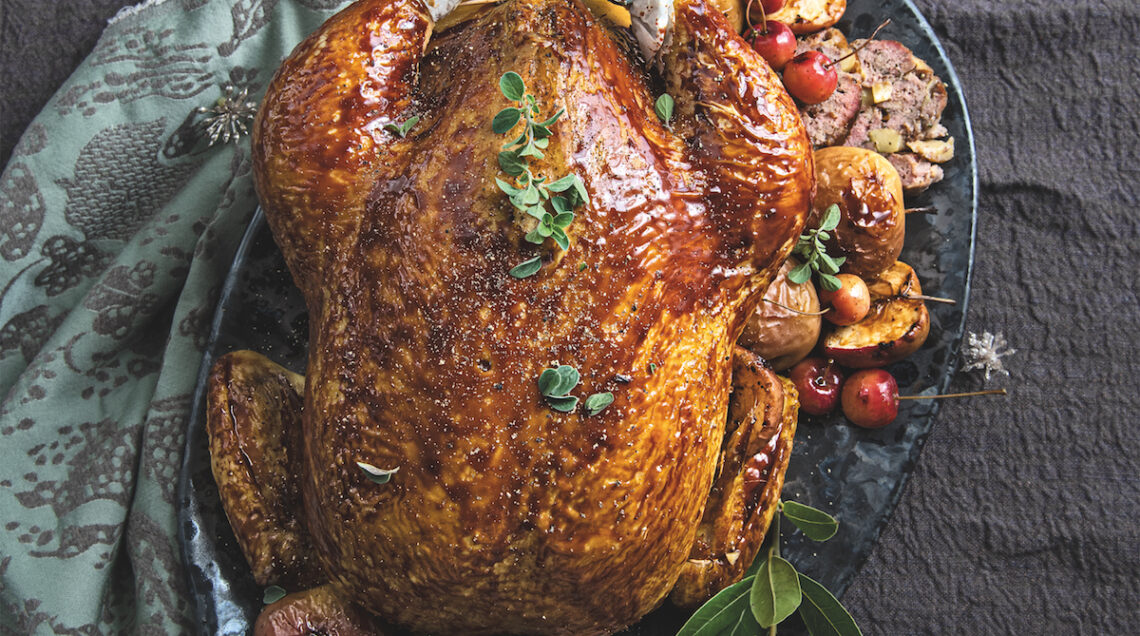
[506, 516]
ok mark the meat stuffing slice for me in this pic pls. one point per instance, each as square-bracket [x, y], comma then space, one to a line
[902, 104]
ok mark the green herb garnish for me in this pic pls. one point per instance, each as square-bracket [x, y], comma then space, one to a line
[272, 594]
[526, 268]
[664, 108]
[377, 475]
[772, 590]
[816, 524]
[401, 130]
[598, 402]
[812, 250]
[555, 385]
[550, 203]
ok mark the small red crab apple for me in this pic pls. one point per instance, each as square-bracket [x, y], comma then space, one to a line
[775, 42]
[818, 381]
[871, 398]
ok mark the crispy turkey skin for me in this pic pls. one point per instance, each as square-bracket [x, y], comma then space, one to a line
[506, 516]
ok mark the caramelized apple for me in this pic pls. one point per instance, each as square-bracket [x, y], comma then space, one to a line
[868, 191]
[779, 335]
[895, 327]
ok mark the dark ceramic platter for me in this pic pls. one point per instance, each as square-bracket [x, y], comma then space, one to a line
[855, 474]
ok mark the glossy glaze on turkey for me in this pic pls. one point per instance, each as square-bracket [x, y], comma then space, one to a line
[506, 516]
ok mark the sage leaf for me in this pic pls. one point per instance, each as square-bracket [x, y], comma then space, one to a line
[830, 218]
[272, 594]
[721, 612]
[564, 404]
[526, 268]
[377, 475]
[775, 593]
[505, 120]
[664, 107]
[822, 613]
[512, 85]
[598, 402]
[800, 274]
[511, 164]
[816, 524]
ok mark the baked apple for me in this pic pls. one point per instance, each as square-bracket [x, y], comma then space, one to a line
[809, 16]
[868, 191]
[781, 336]
[423, 466]
[895, 327]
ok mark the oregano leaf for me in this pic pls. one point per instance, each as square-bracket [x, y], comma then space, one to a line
[534, 237]
[830, 283]
[512, 85]
[570, 378]
[827, 264]
[830, 218]
[775, 593]
[664, 107]
[526, 268]
[553, 118]
[505, 120]
[511, 164]
[561, 204]
[580, 191]
[564, 219]
[563, 184]
[565, 404]
[559, 236]
[377, 475]
[800, 274]
[507, 188]
[272, 594]
[822, 613]
[598, 402]
[816, 524]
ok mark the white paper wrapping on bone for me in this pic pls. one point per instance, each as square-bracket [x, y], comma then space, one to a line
[440, 8]
[652, 24]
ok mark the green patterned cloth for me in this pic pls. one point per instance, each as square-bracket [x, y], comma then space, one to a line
[117, 226]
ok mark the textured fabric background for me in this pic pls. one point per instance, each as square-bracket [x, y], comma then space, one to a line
[1021, 516]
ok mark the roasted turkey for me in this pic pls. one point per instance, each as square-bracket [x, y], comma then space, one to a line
[505, 515]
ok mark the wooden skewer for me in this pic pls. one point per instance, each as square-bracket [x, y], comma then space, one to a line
[954, 395]
[928, 209]
[933, 299]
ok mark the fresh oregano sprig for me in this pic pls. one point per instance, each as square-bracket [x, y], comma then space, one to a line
[772, 589]
[533, 193]
[812, 249]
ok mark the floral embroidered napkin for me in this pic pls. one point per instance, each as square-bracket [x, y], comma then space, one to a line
[117, 226]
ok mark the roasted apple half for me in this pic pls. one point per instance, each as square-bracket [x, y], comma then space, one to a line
[896, 326]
